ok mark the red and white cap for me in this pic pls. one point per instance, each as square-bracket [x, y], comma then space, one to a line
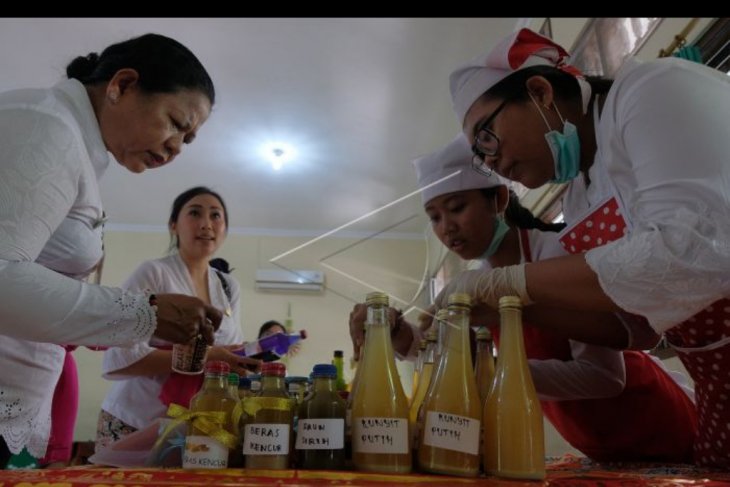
[521, 49]
[449, 169]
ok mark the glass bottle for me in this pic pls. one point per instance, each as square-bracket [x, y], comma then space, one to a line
[266, 443]
[423, 385]
[348, 403]
[417, 369]
[380, 438]
[272, 347]
[514, 444]
[339, 362]
[449, 439]
[441, 328]
[233, 379]
[484, 367]
[244, 388]
[321, 433]
[202, 450]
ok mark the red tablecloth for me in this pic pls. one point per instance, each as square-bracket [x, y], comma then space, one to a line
[566, 471]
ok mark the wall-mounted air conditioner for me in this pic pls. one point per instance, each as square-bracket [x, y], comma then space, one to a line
[294, 280]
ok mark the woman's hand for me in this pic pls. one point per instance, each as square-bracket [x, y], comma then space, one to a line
[181, 318]
[240, 365]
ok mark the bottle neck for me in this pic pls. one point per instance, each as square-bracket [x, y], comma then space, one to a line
[272, 383]
[215, 381]
[511, 342]
[324, 384]
[457, 334]
[377, 316]
[430, 356]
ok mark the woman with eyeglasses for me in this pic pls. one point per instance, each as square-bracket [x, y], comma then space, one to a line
[647, 204]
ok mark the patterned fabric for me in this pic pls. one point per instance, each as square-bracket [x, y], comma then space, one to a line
[702, 342]
[110, 429]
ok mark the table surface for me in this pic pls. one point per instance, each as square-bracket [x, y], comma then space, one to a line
[564, 471]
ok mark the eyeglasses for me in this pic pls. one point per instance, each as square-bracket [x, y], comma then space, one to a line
[486, 143]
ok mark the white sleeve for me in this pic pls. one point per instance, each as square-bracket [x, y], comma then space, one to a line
[668, 135]
[594, 372]
[39, 174]
[236, 309]
[145, 277]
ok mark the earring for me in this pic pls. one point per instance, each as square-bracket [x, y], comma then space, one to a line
[113, 97]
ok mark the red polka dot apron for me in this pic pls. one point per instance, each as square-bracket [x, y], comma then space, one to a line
[702, 342]
[614, 428]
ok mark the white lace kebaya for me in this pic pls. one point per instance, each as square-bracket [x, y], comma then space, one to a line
[51, 156]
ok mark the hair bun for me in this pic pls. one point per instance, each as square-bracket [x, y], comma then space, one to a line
[82, 67]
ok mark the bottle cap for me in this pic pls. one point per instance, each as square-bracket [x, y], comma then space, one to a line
[483, 333]
[244, 383]
[339, 354]
[274, 369]
[217, 367]
[324, 370]
[510, 302]
[233, 378]
[459, 299]
[376, 298]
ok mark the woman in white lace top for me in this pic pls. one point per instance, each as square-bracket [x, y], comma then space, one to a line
[140, 100]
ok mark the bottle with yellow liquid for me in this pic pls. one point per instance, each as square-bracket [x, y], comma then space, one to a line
[441, 328]
[484, 367]
[348, 404]
[206, 448]
[449, 439]
[267, 441]
[380, 439]
[514, 444]
[423, 385]
[417, 369]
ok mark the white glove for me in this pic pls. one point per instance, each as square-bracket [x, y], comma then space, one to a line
[487, 286]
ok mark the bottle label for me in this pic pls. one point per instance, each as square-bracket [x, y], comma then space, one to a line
[266, 439]
[321, 434]
[380, 435]
[452, 432]
[204, 452]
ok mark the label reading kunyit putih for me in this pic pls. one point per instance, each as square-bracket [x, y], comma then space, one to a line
[380, 435]
[451, 432]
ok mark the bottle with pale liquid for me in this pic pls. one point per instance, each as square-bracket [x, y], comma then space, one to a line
[514, 444]
[417, 369]
[449, 438]
[201, 449]
[380, 437]
[484, 367]
[423, 385]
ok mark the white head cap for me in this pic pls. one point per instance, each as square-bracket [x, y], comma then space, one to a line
[449, 169]
[519, 50]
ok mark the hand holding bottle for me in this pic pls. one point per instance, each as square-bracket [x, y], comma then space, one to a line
[487, 286]
[357, 327]
[181, 318]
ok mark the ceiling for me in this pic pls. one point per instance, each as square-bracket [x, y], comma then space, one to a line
[357, 98]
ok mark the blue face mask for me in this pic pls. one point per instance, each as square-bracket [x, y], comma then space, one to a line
[500, 231]
[566, 152]
[565, 148]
